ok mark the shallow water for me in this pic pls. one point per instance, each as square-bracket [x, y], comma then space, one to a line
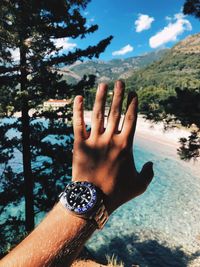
[161, 227]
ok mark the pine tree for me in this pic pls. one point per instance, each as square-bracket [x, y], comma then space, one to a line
[31, 28]
[188, 109]
[192, 7]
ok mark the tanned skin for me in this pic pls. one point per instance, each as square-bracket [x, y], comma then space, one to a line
[103, 157]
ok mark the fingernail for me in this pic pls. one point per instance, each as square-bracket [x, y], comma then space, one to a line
[148, 164]
[79, 99]
[120, 83]
[102, 87]
[132, 94]
[132, 97]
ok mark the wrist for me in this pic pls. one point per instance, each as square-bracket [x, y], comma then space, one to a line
[84, 200]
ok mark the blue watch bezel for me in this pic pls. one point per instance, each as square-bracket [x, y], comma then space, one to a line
[89, 206]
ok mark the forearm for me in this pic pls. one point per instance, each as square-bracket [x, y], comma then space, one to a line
[59, 238]
[102, 160]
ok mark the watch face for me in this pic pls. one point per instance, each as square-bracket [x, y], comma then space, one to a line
[80, 197]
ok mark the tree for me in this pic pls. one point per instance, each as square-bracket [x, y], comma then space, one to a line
[192, 7]
[180, 108]
[150, 99]
[189, 112]
[169, 90]
[51, 149]
[30, 29]
[184, 108]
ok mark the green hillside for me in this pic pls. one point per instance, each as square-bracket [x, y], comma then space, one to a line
[179, 67]
[169, 89]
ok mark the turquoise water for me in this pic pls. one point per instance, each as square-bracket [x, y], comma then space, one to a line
[161, 227]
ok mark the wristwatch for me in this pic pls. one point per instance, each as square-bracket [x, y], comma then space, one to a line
[85, 200]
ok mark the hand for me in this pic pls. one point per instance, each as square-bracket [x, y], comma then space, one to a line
[104, 157]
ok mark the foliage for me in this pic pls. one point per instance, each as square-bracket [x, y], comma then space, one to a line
[192, 7]
[150, 99]
[51, 148]
[185, 106]
[30, 29]
[169, 91]
[172, 71]
[190, 147]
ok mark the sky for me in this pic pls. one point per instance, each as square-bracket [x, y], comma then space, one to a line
[138, 27]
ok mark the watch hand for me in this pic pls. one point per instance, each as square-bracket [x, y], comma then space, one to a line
[84, 198]
[77, 196]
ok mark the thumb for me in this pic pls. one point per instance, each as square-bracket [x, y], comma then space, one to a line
[146, 174]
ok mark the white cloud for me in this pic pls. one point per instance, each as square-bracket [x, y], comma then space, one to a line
[59, 43]
[168, 18]
[175, 27]
[124, 50]
[143, 22]
[64, 43]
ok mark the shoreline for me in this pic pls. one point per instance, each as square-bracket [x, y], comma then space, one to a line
[156, 132]
[153, 137]
[152, 131]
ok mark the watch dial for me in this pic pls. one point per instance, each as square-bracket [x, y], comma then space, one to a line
[81, 197]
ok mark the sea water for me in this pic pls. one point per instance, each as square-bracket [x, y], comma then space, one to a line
[160, 228]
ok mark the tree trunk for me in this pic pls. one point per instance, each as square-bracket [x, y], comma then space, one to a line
[28, 176]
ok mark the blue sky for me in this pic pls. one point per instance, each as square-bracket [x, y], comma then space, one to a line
[137, 26]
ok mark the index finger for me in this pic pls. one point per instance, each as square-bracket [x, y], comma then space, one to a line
[78, 119]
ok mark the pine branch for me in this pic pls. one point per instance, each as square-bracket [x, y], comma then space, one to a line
[4, 69]
[80, 54]
[71, 31]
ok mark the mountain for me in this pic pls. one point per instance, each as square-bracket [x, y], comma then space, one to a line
[179, 67]
[106, 71]
[175, 67]
[190, 45]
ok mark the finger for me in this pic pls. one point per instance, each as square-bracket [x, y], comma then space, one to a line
[116, 107]
[130, 118]
[98, 110]
[146, 175]
[78, 119]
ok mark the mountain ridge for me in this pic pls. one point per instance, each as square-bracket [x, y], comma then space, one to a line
[189, 45]
[107, 71]
[181, 59]
[179, 67]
